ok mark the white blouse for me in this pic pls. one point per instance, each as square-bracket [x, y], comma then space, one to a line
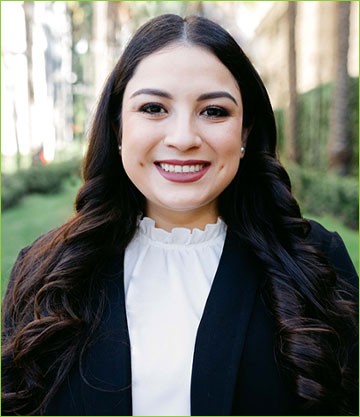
[168, 276]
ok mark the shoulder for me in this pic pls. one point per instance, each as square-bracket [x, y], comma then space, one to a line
[320, 236]
[26, 259]
[42, 241]
[327, 241]
[333, 247]
[55, 243]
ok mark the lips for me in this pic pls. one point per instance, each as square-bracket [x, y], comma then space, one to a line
[182, 171]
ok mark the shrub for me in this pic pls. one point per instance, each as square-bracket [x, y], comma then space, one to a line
[326, 194]
[42, 179]
[313, 126]
[13, 188]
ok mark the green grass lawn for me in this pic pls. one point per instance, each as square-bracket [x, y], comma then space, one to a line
[37, 214]
[34, 216]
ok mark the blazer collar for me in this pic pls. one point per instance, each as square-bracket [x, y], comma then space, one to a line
[222, 331]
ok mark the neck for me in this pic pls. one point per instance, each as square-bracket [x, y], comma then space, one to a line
[194, 219]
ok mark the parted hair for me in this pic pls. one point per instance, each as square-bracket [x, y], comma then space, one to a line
[54, 301]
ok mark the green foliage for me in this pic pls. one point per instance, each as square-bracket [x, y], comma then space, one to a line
[42, 179]
[318, 191]
[313, 126]
[326, 194]
[280, 127]
[354, 124]
[13, 188]
[33, 216]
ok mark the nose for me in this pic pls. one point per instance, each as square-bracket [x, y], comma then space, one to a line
[183, 134]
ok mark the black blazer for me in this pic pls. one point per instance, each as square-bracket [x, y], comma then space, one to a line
[234, 368]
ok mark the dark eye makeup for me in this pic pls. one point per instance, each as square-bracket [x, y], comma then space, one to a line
[210, 112]
[152, 108]
[214, 112]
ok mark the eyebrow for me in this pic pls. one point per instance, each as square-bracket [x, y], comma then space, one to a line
[202, 97]
[152, 92]
[216, 94]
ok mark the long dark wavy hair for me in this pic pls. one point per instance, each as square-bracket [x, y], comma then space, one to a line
[54, 300]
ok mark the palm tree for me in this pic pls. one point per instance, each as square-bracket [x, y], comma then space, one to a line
[292, 147]
[339, 146]
[29, 22]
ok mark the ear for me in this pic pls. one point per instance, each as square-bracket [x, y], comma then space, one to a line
[118, 133]
[244, 136]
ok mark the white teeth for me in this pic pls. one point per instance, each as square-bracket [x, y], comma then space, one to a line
[182, 168]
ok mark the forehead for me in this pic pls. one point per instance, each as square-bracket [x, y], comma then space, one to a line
[183, 67]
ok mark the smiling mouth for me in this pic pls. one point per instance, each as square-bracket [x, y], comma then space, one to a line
[182, 169]
[178, 171]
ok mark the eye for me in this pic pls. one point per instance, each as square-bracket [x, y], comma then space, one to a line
[214, 112]
[153, 109]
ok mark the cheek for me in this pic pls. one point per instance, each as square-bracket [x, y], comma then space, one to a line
[133, 165]
[129, 143]
[227, 146]
[138, 144]
[133, 143]
[139, 136]
[131, 133]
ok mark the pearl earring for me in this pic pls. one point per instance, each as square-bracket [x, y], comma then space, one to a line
[242, 149]
[119, 148]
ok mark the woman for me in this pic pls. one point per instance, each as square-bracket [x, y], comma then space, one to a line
[187, 281]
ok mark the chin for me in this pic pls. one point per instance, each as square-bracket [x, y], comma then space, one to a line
[185, 206]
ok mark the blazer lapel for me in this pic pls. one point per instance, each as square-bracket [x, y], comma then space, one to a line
[222, 331]
[109, 364]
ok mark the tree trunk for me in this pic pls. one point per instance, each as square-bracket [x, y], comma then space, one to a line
[292, 148]
[16, 124]
[100, 50]
[29, 22]
[338, 145]
[195, 8]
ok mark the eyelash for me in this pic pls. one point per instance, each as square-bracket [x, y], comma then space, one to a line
[146, 108]
[160, 109]
[221, 112]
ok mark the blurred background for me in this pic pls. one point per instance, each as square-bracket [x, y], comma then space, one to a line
[56, 56]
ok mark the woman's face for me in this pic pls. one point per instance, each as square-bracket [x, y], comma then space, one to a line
[181, 134]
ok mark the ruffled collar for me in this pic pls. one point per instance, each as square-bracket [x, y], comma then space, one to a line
[181, 235]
